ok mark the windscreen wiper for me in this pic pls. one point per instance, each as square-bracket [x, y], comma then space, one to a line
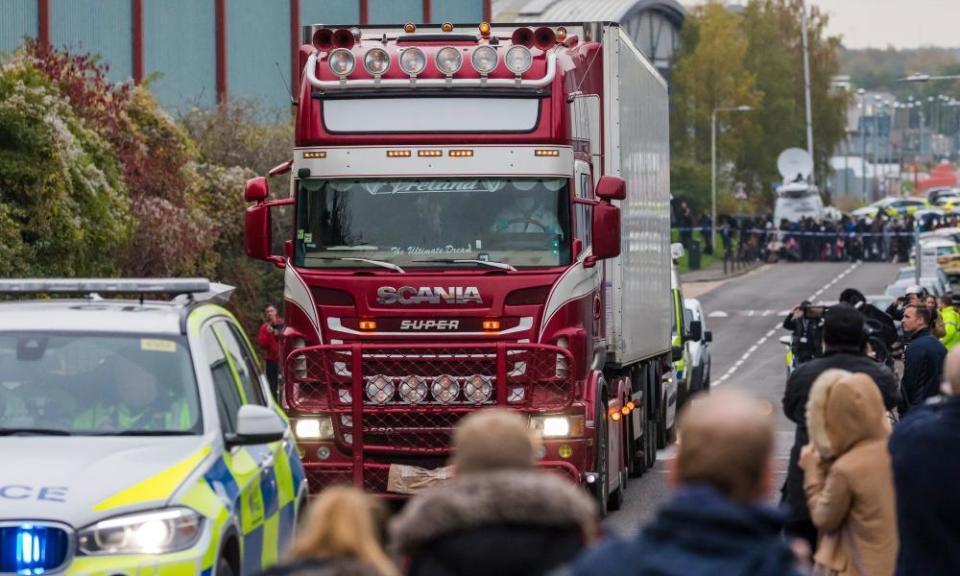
[33, 432]
[490, 263]
[380, 263]
[145, 433]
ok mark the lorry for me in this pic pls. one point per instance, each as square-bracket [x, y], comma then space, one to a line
[480, 219]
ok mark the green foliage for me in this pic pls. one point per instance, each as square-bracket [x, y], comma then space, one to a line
[97, 180]
[63, 204]
[753, 58]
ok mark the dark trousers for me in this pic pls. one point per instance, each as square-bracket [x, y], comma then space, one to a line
[803, 529]
[273, 377]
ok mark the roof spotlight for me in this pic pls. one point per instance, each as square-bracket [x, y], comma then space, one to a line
[413, 61]
[518, 59]
[376, 61]
[484, 59]
[449, 60]
[341, 62]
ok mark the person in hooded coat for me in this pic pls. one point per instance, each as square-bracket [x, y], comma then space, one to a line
[499, 515]
[848, 477]
[717, 522]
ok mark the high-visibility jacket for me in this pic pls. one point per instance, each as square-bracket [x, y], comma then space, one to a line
[951, 325]
[122, 417]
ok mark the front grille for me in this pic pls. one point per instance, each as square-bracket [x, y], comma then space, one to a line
[33, 548]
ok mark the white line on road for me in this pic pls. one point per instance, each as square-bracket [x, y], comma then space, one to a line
[717, 314]
[746, 356]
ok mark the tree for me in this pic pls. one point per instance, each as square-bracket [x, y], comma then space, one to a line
[709, 74]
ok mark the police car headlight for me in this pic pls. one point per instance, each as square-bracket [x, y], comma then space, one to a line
[313, 428]
[159, 532]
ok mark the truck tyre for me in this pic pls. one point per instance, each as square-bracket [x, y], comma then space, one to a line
[615, 502]
[662, 424]
[650, 423]
[636, 448]
[601, 489]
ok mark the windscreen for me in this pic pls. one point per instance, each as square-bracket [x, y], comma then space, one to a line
[523, 222]
[92, 384]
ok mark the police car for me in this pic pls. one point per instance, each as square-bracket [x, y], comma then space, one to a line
[138, 436]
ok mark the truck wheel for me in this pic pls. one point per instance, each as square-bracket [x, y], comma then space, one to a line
[650, 430]
[617, 496]
[602, 487]
[662, 425]
[636, 448]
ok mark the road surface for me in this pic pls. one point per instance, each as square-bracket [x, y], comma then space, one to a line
[745, 314]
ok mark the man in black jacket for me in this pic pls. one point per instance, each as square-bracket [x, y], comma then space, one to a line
[926, 473]
[923, 361]
[843, 337]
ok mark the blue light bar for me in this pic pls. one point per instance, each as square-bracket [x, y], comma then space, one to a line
[105, 286]
[32, 548]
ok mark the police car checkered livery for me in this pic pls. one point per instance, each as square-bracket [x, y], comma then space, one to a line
[138, 437]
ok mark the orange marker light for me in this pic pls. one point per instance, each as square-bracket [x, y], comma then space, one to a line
[561, 34]
[311, 155]
[460, 153]
[409, 28]
[484, 29]
[491, 324]
[368, 325]
[625, 410]
[615, 416]
[398, 153]
[631, 405]
[546, 152]
[429, 153]
[446, 27]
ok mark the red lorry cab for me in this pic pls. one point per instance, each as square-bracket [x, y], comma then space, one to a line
[481, 218]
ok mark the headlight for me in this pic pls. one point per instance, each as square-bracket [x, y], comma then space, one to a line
[320, 428]
[413, 390]
[557, 426]
[449, 60]
[518, 59]
[376, 61]
[341, 62]
[445, 389]
[484, 59]
[413, 61]
[380, 390]
[478, 389]
[159, 532]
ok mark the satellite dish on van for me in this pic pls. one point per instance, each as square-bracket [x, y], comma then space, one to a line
[795, 165]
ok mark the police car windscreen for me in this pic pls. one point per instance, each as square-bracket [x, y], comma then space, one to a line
[89, 384]
[524, 222]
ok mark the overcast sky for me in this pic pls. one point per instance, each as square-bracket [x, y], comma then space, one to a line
[900, 23]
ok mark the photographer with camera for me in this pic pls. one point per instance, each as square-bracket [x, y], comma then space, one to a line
[844, 335]
[806, 331]
[268, 339]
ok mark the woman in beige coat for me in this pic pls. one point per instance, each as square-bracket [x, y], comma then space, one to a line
[848, 478]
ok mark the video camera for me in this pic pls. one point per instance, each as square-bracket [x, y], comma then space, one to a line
[811, 312]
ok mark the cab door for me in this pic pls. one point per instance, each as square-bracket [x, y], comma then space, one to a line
[254, 467]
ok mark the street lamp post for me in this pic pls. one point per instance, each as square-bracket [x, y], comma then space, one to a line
[713, 167]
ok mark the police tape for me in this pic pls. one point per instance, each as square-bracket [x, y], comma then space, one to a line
[788, 233]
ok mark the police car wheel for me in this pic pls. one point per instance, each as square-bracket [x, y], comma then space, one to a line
[224, 568]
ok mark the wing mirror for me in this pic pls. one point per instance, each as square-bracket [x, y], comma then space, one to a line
[696, 330]
[676, 353]
[611, 188]
[257, 425]
[708, 336]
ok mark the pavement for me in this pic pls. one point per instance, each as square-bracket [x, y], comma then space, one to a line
[745, 314]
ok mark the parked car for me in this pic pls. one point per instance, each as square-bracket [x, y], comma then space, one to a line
[948, 254]
[698, 345]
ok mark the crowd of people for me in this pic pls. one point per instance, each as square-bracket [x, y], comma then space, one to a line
[882, 239]
[870, 487]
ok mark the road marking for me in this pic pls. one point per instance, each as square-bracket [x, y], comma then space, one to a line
[717, 314]
[746, 356]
